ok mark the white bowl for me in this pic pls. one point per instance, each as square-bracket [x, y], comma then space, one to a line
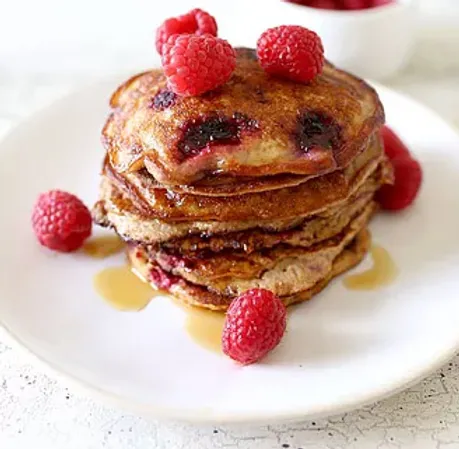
[372, 43]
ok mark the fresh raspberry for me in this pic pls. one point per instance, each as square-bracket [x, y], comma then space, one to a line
[61, 221]
[354, 4]
[321, 4]
[362, 4]
[407, 182]
[325, 4]
[342, 5]
[376, 3]
[393, 146]
[292, 52]
[196, 22]
[254, 325]
[197, 64]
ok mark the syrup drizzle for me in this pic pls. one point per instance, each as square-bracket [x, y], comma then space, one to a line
[205, 327]
[102, 247]
[123, 289]
[382, 273]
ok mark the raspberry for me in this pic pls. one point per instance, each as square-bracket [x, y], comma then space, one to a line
[196, 22]
[197, 64]
[321, 4]
[376, 3]
[362, 4]
[61, 221]
[325, 4]
[393, 146]
[254, 325]
[292, 52]
[408, 179]
[354, 4]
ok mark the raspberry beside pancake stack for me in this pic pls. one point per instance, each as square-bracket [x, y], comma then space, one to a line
[262, 182]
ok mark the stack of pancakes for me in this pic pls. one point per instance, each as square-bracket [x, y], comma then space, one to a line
[261, 183]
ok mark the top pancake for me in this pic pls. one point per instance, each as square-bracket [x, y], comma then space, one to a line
[254, 126]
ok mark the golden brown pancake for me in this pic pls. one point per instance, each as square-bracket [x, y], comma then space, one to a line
[311, 231]
[283, 269]
[261, 183]
[309, 197]
[198, 295]
[117, 211]
[255, 125]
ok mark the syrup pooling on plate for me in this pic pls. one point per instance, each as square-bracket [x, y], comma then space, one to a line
[102, 247]
[204, 327]
[126, 290]
[382, 273]
[119, 285]
[123, 289]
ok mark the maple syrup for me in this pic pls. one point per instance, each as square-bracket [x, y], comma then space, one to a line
[123, 289]
[104, 246]
[204, 327]
[382, 273]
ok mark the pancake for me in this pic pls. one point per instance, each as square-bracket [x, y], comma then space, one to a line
[307, 198]
[311, 231]
[117, 211]
[260, 183]
[225, 186]
[200, 296]
[283, 269]
[255, 125]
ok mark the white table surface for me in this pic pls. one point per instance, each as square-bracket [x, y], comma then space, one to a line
[39, 412]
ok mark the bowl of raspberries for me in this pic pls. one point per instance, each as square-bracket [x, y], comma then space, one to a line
[371, 38]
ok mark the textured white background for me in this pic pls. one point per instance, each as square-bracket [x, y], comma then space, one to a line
[49, 47]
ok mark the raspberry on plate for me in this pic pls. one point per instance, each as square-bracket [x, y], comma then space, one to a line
[393, 145]
[342, 5]
[321, 4]
[61, 221]
[292, 52]
[354, 4]
[376, 3]
[254, 325]
[197, 22]
[196, 64]
[407, 182]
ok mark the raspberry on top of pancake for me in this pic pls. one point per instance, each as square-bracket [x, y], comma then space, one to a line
[255, 125]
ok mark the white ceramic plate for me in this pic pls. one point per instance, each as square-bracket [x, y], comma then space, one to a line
[343, 349]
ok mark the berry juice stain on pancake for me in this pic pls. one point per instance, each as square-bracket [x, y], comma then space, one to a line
[201, 134]
[315, 129]
[163, 99]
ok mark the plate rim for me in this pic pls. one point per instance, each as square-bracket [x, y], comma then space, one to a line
[200, 417]
[207, 416]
